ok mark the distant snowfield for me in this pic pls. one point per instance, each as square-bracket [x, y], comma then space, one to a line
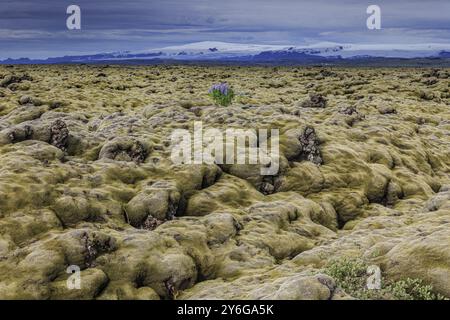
[214, 49]
[223, 51]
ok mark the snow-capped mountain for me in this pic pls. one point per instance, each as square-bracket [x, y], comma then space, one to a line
[248, 53]
[220, 50]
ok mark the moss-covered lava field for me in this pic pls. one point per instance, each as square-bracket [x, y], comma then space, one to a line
[86, 179]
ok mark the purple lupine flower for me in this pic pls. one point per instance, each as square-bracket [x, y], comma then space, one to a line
[221, 93]
[221, 87]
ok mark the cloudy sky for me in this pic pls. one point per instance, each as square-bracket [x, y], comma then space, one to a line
[36, 29]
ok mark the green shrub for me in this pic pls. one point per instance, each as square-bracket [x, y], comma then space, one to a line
[351, 275]
[412, 289]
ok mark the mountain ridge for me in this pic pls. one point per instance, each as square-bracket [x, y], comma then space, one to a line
[223, 52]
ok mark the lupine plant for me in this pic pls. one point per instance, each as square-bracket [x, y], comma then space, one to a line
[222, 94]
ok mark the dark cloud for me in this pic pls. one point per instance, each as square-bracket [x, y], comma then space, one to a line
[38, 28]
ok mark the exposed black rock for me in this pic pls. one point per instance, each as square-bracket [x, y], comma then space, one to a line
[310, 146]
[124, 149]
[10, 79]
[59, 134]
[314, 101]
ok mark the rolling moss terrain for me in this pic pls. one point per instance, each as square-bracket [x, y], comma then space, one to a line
[86, 179]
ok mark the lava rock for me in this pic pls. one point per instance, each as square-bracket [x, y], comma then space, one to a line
[124, 149]
[310, 146]
[59, 134]
[314, 101]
